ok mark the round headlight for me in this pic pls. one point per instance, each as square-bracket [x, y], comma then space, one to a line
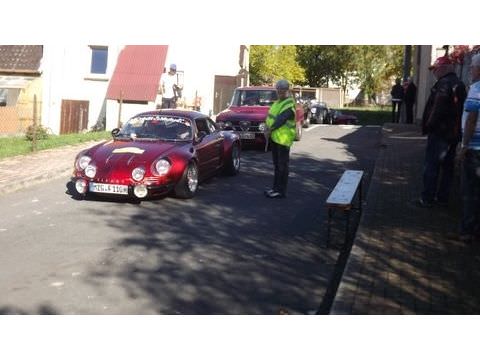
[313, 110]
[162, 167]
[83, 162]
[138, 173]
[221, 125]
[228, 124]
[90, 171]
[262, 127]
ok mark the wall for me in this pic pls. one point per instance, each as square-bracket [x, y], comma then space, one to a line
[66, 75]
[200, 63]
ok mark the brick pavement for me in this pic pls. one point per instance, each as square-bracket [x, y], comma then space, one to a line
[403, 260]
[25, 170]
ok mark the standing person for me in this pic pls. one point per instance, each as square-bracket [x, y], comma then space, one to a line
[397, 98]
[441, 122]
[410, 98]
[169, 88]
[281, 134]
[469, 155]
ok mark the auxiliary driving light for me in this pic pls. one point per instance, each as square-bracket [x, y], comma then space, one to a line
[140, 191]
[81, 186]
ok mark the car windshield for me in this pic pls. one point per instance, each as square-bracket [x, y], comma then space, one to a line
[161, 127]
[254, 97]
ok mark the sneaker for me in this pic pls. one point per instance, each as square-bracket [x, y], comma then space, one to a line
[275, 195]
[268, 192]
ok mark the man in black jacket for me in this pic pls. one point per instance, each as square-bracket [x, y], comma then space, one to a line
[441, 122]
[397, 98]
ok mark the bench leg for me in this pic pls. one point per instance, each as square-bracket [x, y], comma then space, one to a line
[329, 225]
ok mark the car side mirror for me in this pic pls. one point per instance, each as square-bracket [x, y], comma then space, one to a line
[115, 132]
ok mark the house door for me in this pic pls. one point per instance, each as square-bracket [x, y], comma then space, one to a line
[223, 90]
[74, 116]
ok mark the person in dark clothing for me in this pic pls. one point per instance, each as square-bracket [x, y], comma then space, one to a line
[410, 98]
[441, 123]
[280, 132]
[397, 98]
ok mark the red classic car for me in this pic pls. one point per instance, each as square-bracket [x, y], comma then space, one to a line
[248, 110]
[155, 153]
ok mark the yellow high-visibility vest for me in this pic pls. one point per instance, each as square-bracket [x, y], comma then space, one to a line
[284, 135]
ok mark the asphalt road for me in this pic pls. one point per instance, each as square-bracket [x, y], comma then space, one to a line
[229, 250]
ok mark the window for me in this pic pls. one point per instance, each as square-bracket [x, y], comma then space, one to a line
[99, 59]
[9, 97]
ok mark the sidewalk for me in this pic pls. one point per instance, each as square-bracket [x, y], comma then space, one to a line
[403, 260]
[21, 171]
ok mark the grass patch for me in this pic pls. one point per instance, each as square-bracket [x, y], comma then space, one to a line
[12, 146]
[370, 115]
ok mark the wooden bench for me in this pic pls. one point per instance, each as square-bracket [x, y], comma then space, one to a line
[342, 198]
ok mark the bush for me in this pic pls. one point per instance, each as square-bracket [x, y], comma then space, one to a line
[41, 133]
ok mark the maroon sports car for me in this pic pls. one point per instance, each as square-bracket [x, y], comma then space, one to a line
[156, 153]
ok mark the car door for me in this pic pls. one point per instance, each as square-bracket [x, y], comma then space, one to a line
[208, 147]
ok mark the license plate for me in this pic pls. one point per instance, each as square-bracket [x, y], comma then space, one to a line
[246, 135]
[108, 188]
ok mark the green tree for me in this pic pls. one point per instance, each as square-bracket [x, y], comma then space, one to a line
[325, 64]
[375, 65]
[269, 63]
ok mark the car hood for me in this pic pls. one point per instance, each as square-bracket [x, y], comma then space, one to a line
[130, 153]
[252, 113]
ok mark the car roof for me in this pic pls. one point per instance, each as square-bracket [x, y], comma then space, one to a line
[190, 114]
[256, 88]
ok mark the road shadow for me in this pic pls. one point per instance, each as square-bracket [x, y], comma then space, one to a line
[230, 250]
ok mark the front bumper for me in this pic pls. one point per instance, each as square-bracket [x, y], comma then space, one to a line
[152, 189]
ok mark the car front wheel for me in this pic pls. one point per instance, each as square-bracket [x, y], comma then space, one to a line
[232, 164]
[187, 187]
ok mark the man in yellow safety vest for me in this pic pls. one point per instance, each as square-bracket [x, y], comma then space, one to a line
[281, 134]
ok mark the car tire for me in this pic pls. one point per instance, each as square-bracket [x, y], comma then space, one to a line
[187, 187]
[232, 164]
[298, 132]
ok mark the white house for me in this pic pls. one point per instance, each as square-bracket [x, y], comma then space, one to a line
[75, 80]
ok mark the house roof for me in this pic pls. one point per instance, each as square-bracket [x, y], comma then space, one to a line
[20, 58]
[137, 74]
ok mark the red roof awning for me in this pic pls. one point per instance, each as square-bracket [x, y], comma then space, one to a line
[137, 74]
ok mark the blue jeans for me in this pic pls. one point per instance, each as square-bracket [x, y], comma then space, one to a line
[471, 193]
[438, 169]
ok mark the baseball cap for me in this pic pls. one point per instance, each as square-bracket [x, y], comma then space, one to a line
[442, 60]
[282, 85]
[173, 67]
